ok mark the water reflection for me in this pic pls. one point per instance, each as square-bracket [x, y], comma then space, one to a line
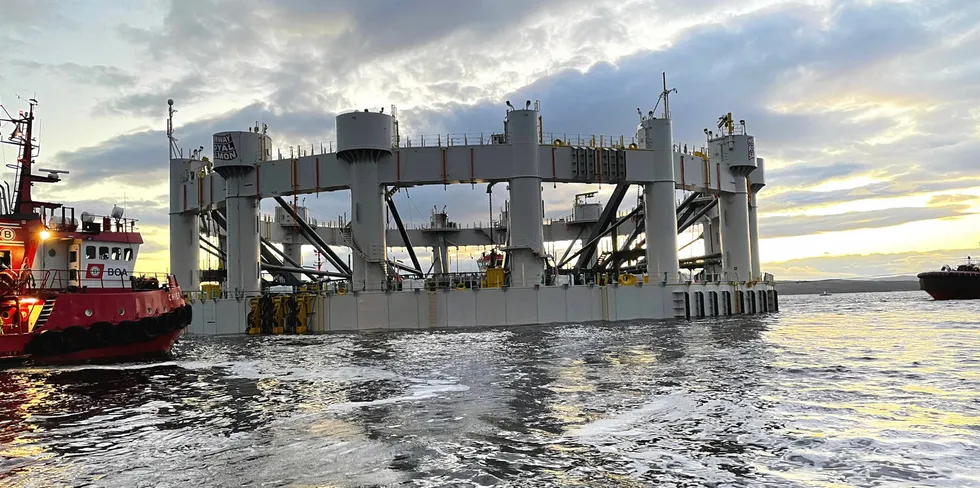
[842, 390]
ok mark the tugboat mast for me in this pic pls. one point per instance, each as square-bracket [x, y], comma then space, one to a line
[24, 203]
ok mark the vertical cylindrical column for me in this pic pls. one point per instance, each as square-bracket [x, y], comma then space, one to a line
[736, 153]
[734, 208]
[235, 156]
[757, 180]
[659, 211]
[364, 138]
[242, 215]
[295, 252]
[369, 266]
[184, 229]
[525, 224]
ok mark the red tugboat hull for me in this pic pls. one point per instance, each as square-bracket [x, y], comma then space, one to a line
[156, 347]
[65, 338]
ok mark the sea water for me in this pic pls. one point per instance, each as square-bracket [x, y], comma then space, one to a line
[846, 390]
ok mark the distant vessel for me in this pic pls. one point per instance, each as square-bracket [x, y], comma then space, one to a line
[825, 294]
[963, 283]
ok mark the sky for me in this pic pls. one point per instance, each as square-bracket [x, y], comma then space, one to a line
[867, 112]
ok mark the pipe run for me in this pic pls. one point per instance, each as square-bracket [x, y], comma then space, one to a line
[290, 269]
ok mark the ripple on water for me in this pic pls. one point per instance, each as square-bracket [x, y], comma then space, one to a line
[847, 390]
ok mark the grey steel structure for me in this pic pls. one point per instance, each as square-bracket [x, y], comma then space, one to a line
[372, 162]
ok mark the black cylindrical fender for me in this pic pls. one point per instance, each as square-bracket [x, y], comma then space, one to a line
[173, 320]
[47, 343]
[132, 332]
[104, 334]
[77, 338]
[154, 326]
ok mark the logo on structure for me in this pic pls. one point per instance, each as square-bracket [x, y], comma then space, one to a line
[224, 147]
[7, 234]
[750, 141]
[94, 270]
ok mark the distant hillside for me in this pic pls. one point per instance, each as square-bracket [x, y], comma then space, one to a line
[847, 286]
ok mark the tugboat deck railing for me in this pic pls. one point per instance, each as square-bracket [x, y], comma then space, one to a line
[29, 282]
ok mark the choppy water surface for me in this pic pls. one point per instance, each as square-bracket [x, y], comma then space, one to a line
[847, 390]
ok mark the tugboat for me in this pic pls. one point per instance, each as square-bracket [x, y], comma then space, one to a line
[68, 292]
[963, 283]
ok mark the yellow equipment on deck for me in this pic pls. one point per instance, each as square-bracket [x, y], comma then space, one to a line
[627, 279]
[494, 278]
[210, 290]
[280, 314]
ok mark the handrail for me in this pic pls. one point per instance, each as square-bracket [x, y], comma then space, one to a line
[30, 281]
[469, 139]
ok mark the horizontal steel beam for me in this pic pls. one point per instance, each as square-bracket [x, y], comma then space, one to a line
[455, 165]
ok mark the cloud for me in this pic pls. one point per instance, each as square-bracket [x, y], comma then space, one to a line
[135, 158]
[831, 89]
[905, 185]
[147, 102]
[23, 20]
[865, 265]
[952, 199]
[94, 75]
[785, 226]
[798, 175]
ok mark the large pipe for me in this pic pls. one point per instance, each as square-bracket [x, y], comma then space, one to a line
[599, 228]
[404, 234]
[600, 236]
[313, 237]
[290, 269]
[269, 257]
[402, 267]
[697, 216]
[286, 258]
[221, 254]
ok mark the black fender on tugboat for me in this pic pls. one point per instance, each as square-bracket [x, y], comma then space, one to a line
[104, 334]
[132, 332]
[77, 338]
[173, 320]
[47, 343]
[186, 313]
[154, 326]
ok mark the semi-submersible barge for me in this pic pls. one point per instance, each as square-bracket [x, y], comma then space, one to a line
[215, 207]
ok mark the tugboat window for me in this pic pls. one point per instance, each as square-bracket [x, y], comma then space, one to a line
[116, 254]
[128, 254]
[4, 259]
[104, 252]
[90, 252]
[72, 256]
